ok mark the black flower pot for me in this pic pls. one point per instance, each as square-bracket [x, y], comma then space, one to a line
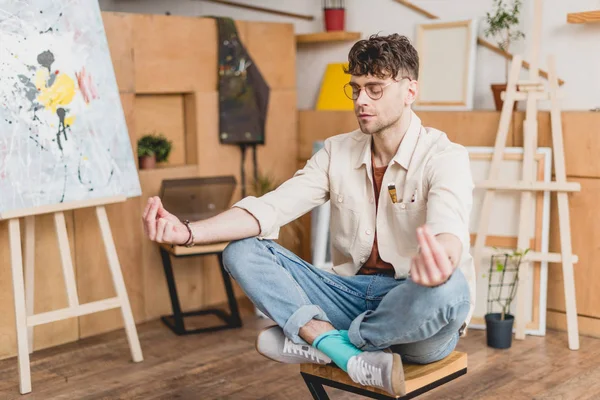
[499, 332]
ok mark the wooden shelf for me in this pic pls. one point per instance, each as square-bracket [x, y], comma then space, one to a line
[583, 17]
[321, 37]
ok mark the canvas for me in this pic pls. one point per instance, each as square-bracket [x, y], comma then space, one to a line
[63, 136]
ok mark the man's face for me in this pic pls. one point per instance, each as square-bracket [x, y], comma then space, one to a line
[386, 103]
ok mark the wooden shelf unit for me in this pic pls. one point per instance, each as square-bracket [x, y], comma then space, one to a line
[584, 17]
[333, 36]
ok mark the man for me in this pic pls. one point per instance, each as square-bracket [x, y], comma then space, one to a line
[402, 285]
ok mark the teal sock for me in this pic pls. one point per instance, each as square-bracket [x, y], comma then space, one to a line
[337, 346]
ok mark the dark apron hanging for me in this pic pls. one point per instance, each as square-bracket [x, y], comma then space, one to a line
[243, 95]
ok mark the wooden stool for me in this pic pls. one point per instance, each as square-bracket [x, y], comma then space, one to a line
[176, 321]
[418, 378]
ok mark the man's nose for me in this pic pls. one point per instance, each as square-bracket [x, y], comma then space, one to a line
[362, 98]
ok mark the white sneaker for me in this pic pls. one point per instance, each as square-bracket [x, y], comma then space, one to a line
[378, 369]
[273, 344]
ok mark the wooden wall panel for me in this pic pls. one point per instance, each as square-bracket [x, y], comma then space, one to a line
[581, 137]
[163, 114]
[119, 32]
[273, 41]
[318, 125]
[174, 54]
[128, 104]
[469, 128]
[585, 236]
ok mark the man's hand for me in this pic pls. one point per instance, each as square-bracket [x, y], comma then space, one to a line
[162, 226]
[432, 266]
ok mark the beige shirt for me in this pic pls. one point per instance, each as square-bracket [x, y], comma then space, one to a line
[434, 186]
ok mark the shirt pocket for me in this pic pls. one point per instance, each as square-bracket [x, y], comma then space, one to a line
[408, 217]
[345, 218]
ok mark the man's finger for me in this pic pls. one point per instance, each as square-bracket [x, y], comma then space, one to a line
[414, 272]
[160, 230]
[147, 208]
[423, 275]
[429, 264]
[439, 253]
[151, 220]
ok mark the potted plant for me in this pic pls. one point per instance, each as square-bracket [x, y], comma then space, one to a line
[153, 148]
[503, 28]
[502, 288]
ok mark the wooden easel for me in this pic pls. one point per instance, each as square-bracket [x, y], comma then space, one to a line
[25, 319]
[532, 91]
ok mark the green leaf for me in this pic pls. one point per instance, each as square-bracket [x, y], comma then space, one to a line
[499, 266]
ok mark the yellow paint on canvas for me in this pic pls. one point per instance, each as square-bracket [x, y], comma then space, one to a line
[331, 95]
[69, 120]
[60, 94]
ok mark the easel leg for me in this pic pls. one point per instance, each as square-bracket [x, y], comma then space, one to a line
[30, 273]
[563, 210]
[66, 260]
[530, 128]
[20, 312]
[115, 269]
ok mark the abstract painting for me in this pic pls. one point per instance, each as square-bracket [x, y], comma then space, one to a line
[63, 136]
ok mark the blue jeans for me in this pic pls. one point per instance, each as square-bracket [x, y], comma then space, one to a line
[419, 323]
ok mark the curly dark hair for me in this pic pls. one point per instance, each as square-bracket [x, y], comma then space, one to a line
[383, 56]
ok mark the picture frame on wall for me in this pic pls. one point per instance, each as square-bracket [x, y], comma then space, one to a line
[447, 55]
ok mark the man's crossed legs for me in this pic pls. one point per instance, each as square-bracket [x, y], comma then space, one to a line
[353, 320]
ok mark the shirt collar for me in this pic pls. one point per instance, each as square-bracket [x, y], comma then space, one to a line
[405, 150]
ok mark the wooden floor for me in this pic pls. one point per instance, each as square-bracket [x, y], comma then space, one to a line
[225, 365]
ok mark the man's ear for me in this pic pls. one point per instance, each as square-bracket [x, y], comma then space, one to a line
[413, 91]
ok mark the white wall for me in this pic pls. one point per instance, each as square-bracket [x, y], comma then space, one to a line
[576, 47]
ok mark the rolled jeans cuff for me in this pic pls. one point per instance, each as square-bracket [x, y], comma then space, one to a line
[301, 318]
[354, 331]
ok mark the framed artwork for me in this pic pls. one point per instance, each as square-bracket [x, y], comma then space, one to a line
[63, 136]
[447, 52]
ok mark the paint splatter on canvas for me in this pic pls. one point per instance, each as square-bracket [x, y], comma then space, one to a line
[63, 135]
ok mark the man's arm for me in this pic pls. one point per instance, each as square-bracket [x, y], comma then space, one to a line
[251, 216]
[452, 246]
[446, 232]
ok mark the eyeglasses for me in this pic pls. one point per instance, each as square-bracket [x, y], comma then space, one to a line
[374, 90]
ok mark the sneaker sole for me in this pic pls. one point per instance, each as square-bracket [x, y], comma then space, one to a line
[256, 345]
[272, 359]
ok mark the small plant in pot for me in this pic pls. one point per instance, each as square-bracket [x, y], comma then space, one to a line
[502, 288]
[153, 148]
[503, 28]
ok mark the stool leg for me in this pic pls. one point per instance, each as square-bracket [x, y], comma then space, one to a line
[234, 319]
[168, 267]
[316, 388]
[20, 312]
